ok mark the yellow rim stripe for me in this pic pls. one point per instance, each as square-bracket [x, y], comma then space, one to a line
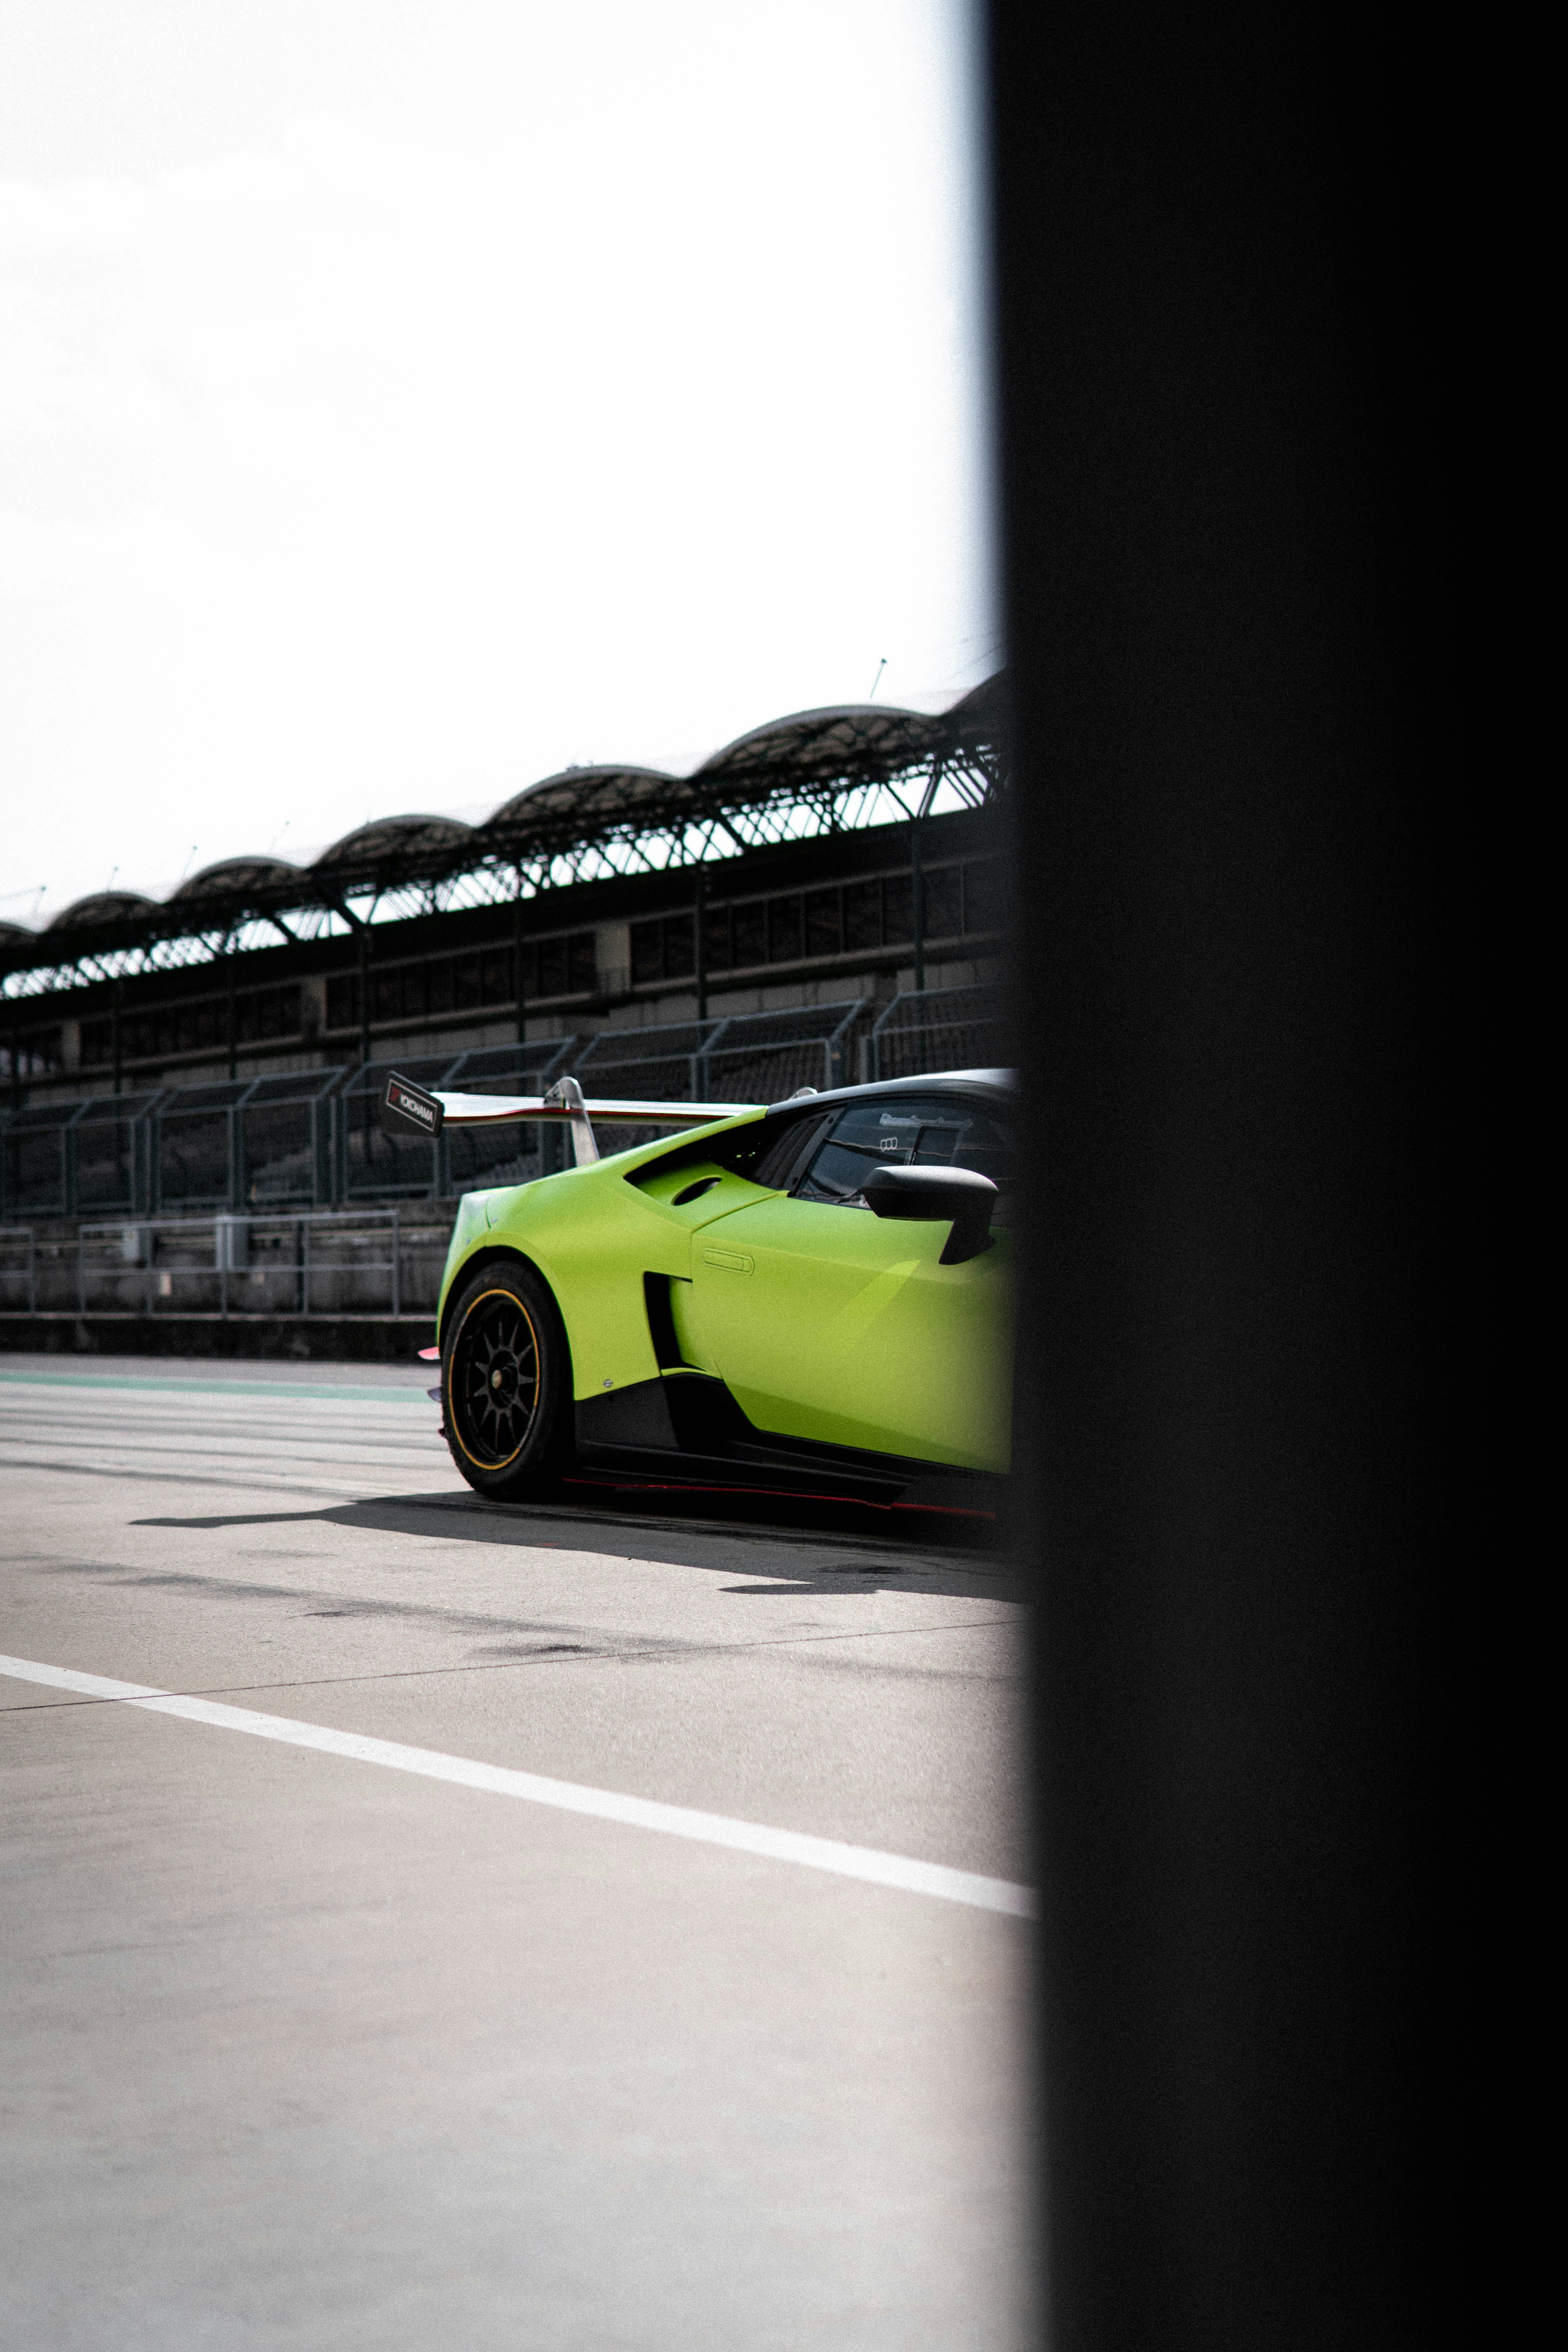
[512, 1300]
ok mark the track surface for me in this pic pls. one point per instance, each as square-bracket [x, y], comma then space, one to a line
[305, 2051]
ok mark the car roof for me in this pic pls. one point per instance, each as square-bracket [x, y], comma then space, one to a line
[982, 1085]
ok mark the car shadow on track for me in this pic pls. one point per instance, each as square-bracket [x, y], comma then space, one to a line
[834, 1554]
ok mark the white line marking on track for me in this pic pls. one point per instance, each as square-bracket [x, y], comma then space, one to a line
[566, 1796]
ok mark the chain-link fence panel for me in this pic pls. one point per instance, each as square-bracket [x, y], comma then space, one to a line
[111, 1146]
[18, 1271]
[34, 1155]
[285, 1140]
[196, 1137]
[379, 1157]
[476, 1158]
[661, 1064]
[925, 1031]
[768, 1056]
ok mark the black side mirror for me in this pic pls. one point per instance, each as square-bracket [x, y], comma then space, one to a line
[933, 1196]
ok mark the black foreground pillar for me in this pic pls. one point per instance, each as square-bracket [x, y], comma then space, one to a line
[1215, 467]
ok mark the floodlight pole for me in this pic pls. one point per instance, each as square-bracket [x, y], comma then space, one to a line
[233, 1012]
[918, 894]
[917, 875]
[115, 1032]
[364, 993]
[699, 935]
[517, 949]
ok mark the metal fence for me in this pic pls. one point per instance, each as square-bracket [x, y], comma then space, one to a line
[767, 1056]
[18, 1270]
[285, 1147]
[197, 1133]
[938, 1029]
[743, 1057]
[309, 1140]
[663, 1063]
[379, 1158]
[60, 1159]
[375, 1262]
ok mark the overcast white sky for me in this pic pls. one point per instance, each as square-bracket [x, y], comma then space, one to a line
[401, 399]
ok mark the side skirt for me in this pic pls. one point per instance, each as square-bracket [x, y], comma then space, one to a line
[689, 1422]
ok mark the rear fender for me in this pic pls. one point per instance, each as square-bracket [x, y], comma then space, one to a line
[594, 1238]
[476, 1264]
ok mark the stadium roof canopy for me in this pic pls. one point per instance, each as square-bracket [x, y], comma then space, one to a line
[815, 772]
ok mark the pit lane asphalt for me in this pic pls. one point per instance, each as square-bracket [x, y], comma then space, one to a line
[303, 2052]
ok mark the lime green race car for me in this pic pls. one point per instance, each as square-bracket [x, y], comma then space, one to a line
[809, 1298]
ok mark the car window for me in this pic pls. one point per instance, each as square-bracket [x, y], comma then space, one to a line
[782, 1158]
[919, 1133]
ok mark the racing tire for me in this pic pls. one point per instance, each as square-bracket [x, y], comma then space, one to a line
[506, 1383]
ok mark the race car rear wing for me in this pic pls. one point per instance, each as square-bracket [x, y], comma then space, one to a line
[431, 1112]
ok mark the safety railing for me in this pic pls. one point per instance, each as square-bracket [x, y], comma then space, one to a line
[285, 1141]
[665, 1061]
[380, 1160]
[18, 1270]
[924, 1030]
[197, 1146]
[319, 1264]
[304, 1141]
[767, 1056]
[661, 1062]
[62, 1158]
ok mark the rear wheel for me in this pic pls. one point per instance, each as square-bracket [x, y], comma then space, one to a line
[506, 1382]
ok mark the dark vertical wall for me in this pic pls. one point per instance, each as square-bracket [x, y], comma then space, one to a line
[1209, 241]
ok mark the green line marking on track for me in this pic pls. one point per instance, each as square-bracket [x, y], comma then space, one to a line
[313, 1389]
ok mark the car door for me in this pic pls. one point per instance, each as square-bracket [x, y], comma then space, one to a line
[829, 1323]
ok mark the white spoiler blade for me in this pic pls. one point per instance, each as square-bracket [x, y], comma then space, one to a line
[493, 1110]
[432, 1112]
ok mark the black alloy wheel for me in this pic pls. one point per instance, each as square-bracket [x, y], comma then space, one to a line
[503, 1378]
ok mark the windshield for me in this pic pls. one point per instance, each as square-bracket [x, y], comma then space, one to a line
[934, 1133]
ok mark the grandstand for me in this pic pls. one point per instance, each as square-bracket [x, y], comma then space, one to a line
[820, 902]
